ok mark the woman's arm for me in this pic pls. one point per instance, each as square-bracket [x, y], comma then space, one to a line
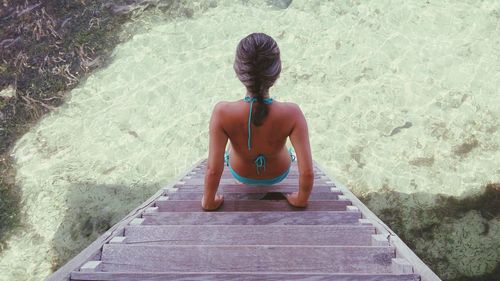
[215, 164]
[300, 141]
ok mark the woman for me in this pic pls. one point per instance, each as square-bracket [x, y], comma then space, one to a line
[258, 127]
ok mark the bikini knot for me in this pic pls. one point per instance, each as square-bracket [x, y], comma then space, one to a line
[260, 162]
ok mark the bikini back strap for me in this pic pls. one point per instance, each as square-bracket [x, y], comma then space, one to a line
[251, 101]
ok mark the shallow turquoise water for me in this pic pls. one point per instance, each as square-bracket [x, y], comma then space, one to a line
[398, 95]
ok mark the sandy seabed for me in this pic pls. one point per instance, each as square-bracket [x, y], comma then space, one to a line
[400, 97]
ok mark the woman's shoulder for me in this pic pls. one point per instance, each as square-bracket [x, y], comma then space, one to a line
[228, 105]
[290, 107]
[289, 104]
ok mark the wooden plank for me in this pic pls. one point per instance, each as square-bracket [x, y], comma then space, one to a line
[228, 175]
[365, 221]
[93, 251]
[287, 181]
[381, 240]
[118, 239]
[252, 218]
[294, 167]
[151, 210]
[262, 258]
[402, 250]
[91, 266]
[352, 208]
[250, 196]
[354, 235]
[251, 206]
[293, 171]
[216, 276]
[400, 265]
[253, 189]
[137, 221]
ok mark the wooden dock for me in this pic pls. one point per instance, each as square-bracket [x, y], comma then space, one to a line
[255, 235]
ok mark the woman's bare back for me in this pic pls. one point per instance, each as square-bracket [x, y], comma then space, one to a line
[268, 139]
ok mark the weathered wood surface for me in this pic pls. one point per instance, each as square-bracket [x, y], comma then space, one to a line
[252, 196]
[287, 180]
[253, 189]
[294, 168]
[227, 175]
[251, 206]
[93, 251]
[255, 235]
[290, 177]
[231, 258]
[357, 235]
[255, 218]
[217, 276]
[402, 250]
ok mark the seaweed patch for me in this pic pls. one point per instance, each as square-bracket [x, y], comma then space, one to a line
[457, 237]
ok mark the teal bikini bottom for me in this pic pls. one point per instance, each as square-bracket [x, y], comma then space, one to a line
[258, 181]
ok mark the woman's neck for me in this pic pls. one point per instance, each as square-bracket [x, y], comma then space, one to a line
[266, 96]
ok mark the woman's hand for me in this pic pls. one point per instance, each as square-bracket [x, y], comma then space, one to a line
[213, 205]
[293, 199]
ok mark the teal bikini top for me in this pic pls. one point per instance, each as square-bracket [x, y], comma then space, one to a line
[260, 160]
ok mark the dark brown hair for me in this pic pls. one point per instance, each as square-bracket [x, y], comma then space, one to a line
[257, 64]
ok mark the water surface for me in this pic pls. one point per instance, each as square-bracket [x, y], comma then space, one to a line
[399, 97]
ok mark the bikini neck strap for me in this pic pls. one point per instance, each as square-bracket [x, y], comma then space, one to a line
[252, 99]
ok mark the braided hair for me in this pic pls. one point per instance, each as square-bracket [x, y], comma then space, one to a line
[257, 64]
